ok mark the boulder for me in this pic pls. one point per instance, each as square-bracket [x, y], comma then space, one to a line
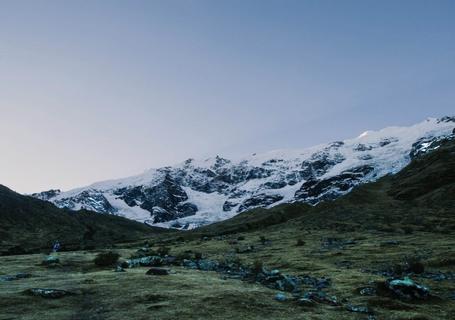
[359, 309]
[47, 293]
[151, 261]
[407, 289]
[280, 297]
[50, 260]
[207, 265]
[321, 297]
[17, 276]
[157, 272]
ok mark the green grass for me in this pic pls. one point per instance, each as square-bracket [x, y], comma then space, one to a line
[409, 208]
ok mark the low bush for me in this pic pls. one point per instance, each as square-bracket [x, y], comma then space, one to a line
[106, 259]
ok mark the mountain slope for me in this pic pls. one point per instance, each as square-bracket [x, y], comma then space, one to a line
[421, 197]
[28, 224]
[197, 192]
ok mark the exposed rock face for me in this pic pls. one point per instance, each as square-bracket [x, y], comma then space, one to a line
[87, 199]
[198, 192]
[313, 190]
[165, 201]
[46, 195]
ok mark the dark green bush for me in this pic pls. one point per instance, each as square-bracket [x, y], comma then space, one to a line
[106, 259]
[163, 251]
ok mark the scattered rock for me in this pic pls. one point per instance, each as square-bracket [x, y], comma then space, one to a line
[405, 289]
[438, 276]
[190, 264]
[280, 297]
[17, 276]
[289, 284]
[207, 265]
[150, 261]
[157, 272]
[321, 297]
[119, 269]
[50, 260]
[317, 283]
[306, 302]
[359, 309]
[47, 293]
[367, 291]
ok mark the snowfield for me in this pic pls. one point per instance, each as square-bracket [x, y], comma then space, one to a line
[198, 192]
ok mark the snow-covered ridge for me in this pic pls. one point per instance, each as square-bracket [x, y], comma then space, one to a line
[197, 192]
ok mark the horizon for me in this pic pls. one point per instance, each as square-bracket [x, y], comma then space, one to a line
[239, 157]
[100, 91]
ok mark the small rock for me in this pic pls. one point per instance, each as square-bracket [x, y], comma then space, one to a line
[275, 272]
[17, 276]
[288, 283]
[359, 309]
[157, 272]
[367, 291]
[306, 302]
[280, 297]
[207, 265]
[149, 261]
[119, 269]
[47, 293]
[50, 261]
[321, 297]
[407, 289]
[190, 264]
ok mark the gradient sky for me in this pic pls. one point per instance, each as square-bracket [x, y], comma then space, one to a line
[93, 90]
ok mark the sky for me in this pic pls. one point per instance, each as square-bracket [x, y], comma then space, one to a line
[95, 90]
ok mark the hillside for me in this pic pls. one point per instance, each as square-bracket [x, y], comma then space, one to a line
[29, 224]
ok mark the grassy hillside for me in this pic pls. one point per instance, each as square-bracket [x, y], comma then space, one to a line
[401, 225]
[29, 224]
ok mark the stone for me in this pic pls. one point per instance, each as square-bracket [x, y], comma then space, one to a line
[407, 289]
[157, 272]
[321, 297]
[306, 302]
[359, 309]
[190, 264]
[207, 265]
[367, 291]
[119, 269]
[50, 260]
[17, 276]
[150, 261]
[47, 293]
[280, 297]
[288, 283]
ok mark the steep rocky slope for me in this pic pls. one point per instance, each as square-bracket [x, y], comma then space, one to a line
[198, 192]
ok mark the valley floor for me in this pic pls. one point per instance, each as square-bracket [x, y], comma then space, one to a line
[351, 262]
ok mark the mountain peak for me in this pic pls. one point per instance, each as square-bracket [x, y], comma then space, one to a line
[198, 192]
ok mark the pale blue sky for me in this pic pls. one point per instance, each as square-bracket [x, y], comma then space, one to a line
[92, 90]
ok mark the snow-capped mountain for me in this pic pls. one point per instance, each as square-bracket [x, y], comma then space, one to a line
[198, 192]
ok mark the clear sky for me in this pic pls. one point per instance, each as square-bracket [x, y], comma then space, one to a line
[93, 90]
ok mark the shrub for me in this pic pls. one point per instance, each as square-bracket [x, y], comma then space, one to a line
[300, 242]
[257, 266]
[262, 239]
[414, 265]
[198, 255]
[106, 259]
[163, 251]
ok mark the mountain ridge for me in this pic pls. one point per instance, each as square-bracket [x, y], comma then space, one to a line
[198, 192]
